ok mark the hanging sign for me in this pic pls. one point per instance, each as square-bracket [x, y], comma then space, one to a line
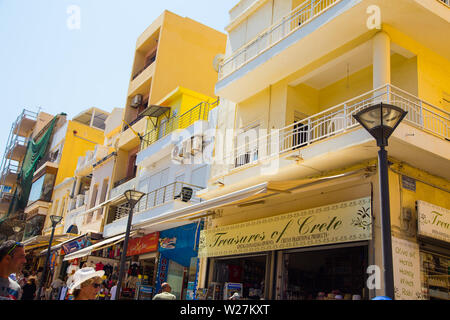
[341, 222]
[406, 261]
[148, 243]
[434, 221]
[75, 245]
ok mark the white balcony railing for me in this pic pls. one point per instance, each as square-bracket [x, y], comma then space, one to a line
[336, 120]
[274, 34]
[158, 197]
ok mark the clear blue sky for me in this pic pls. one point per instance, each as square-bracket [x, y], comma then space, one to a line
[45, 64]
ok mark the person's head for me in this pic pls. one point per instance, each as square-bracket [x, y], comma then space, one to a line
[12, 257]
[165, 287]
[87, 283]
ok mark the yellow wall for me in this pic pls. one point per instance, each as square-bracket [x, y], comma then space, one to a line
[75, 147]
[433, 69]
[185, 54]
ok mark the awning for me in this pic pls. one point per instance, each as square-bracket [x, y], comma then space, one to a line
[98, 246]
[42, 241]
[197, 210]
[60, 245]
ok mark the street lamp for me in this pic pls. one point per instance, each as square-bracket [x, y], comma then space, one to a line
[380, 121]
[133, 198]
[55, 220]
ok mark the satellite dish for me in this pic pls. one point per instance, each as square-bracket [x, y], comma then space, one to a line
[217, 61]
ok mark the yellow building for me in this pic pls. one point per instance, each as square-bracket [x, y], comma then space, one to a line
[293, 76]
[53, 177]
[172, 54]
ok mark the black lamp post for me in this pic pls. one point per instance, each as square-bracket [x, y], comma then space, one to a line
[55, 220]
[380, 121]
[133, 197]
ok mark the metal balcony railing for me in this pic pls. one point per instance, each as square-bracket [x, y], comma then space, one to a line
[199, 112]
[274, 34]
[158, 197]
[336, 120]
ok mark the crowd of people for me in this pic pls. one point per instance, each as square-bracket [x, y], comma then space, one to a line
[19, 284]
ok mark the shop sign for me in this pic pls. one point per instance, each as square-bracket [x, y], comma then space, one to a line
[434, 221]
[75, 245]
[341, 222]
[147, 243]
[163, 269]
[406, 261]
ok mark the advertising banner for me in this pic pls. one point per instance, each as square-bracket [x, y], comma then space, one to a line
[147, 243]
[75, 245]
[336, 223]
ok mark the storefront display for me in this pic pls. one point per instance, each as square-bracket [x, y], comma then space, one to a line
[434, 243]
[317, 253]
[178, 261]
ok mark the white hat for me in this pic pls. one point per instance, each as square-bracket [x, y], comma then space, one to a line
[84, 274]
[235, 296]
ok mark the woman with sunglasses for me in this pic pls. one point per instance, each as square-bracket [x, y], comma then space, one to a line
[86, 283]
[12, 260]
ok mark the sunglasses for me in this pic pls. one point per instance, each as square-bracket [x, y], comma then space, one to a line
[17, 244]
[96, 285]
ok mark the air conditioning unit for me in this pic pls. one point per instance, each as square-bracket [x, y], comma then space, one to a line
[197, 144]
[136, 101]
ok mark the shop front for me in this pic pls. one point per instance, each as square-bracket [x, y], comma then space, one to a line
[317, 253]
[178, 260]
[142, 258]
[434, 247]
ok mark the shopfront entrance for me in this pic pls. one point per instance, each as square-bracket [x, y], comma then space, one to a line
[337, 272]
[317, 253]
[245, 275]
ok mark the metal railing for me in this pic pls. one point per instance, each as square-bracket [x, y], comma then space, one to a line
[146, 65]
[446, 2]
[339, 119]
[274, 34]
[158, 197]
[199, 112]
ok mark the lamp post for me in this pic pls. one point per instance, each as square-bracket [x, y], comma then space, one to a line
[380, 121]
[55, 220]
[133, 197]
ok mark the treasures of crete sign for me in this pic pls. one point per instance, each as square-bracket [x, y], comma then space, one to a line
[341, 222]
[434, 221]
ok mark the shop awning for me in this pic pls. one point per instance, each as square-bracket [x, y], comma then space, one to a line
[55, 247]
[42, 241]
[198, 210]
[98, 246]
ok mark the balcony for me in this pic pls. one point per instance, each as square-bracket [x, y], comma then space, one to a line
[10, 174]
[123, 185]
[428, 134]
[25, 123]
[85, 163]
[183, 121]
[159, 197]
[299, 17]
[18, 150]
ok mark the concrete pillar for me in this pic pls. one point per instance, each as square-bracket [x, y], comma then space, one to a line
[381, 59]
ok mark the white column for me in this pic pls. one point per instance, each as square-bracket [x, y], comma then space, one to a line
[381, 59]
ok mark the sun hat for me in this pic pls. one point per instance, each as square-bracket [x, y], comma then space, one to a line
[84, 274]
[235, 296]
